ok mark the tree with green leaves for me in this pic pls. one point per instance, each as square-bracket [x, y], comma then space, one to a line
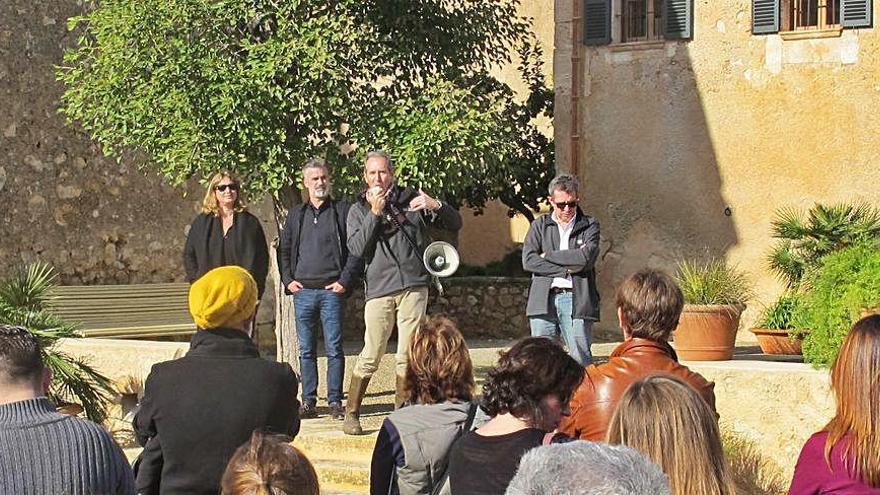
[187, 87]
[23, 302]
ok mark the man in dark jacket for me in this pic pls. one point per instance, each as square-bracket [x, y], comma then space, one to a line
[198, 409]
[318, 270]
[648, 306]
[560, 251]
[387, 230]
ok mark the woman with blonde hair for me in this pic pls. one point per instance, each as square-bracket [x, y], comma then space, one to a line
[412, 447]
[224, 233]
[667, 420]
[269, 465]
[844, 458]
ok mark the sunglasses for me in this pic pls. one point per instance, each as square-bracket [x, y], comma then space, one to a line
[222, 187]
[569, 204]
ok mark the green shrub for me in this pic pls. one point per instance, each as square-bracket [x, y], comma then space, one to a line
[712, 282]
[780, 314]
[843, 286]
[804, 238]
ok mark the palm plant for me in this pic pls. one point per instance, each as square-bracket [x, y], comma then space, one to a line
[23, 299]
[804, 240]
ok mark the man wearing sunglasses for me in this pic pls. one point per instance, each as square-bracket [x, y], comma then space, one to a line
[560, 251]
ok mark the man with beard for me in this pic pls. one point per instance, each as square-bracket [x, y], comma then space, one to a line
[387, 230]
[318, 270]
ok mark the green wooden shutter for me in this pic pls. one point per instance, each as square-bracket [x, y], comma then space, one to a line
[765, 16]
[856, 13]
[678, 19]
[597, 22]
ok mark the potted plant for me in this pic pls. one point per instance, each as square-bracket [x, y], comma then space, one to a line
[775, 329]
[715, 294]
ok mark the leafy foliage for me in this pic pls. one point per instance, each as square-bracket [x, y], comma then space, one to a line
[258, 86]
[780, 314]
[805, 239]
[23, 300]
[845, 284]
[712, 282]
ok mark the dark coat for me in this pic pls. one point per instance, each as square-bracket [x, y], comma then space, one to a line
[204, 247]
[391, 262]
[203, 406]
[578, 261]
[288, 246]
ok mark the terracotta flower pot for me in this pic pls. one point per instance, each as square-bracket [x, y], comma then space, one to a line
[707, 332]
[779, 341]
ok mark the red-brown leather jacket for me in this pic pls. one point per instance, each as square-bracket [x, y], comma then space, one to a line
[593, 403]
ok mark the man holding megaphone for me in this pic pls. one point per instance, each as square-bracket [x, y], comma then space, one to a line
[387, 229]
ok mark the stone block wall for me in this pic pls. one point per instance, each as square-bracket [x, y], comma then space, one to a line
[483, 307]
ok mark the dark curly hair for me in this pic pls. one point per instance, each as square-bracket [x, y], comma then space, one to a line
[534, 368]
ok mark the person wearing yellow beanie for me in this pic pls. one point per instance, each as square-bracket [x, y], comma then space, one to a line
[223, 297]
[198, 409]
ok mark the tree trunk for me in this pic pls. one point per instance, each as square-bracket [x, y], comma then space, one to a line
[287, 344]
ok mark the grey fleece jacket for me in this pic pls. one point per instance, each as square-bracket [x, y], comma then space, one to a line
[42, 451]
[578, 261]
[391, 263]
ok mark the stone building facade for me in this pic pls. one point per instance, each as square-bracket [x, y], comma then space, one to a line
[688, 146]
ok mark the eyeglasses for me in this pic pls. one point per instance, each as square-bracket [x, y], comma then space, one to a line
[222, 187]
[569, 204]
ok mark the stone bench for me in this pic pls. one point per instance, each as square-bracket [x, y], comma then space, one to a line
[125, 311]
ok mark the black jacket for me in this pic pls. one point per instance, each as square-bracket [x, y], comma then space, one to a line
[392, 263]
[204, 247]
[578, 261]
[288, 246]
[203, 406]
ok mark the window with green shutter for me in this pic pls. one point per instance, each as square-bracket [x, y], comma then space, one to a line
[773, 16]
[640, 20]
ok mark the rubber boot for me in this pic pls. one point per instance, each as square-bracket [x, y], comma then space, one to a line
[400, 394]
[351, 425]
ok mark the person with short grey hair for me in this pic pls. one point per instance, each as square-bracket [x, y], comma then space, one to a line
[317, 268]
[560, 252]
[587, 468]
[388, 230]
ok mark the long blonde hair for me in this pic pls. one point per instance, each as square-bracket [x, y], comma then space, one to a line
[667, 420]
[855, 379]
[209, 203]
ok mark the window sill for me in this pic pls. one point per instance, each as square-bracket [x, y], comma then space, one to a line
[809, 34]
[633, 46]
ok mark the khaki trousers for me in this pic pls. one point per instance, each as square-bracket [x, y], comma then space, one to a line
[406, 308]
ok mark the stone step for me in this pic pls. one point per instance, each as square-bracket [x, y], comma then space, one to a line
[342, 475]
[326, 440]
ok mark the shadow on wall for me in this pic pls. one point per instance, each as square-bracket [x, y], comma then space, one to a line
[651, 172]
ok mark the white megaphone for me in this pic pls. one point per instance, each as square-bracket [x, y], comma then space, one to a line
[441, 259]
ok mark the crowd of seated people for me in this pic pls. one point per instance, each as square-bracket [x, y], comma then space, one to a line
[642, 423]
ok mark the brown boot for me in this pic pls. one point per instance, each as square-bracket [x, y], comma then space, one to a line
[400, 394]
[356, 389]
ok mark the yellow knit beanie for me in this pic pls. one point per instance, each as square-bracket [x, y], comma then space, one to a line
[223, 296]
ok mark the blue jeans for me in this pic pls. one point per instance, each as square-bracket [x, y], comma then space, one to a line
[576, 333]
[314, 306]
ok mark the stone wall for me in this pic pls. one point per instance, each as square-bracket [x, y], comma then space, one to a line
[483, 307]
[103, 222]
[688, 147]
